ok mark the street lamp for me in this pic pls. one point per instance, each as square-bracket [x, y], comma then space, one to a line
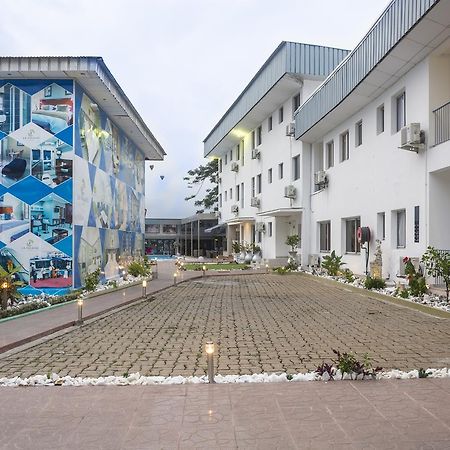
[5, 286]
[209, 348]
[144, 288]
[80, 311]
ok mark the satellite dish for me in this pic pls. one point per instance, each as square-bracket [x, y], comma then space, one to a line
[151, 167]
[162, 177]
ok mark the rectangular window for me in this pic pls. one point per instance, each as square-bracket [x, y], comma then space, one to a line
[242, 195]
[237, 192]
[220, 200]
[381, 226]
[330, 154]
[226, 158]
[280, 115]
[358, 133]
[380, 119]
[270, 229]
[226, 195]
[241, 151]
[231, 193]
[296, 167]
[400, 106]
[258, 184]
[401, 228]
[259, 136]
[231, 155]
[238, 153]
[253, 186]
[295, 103]
[269, 124]
[351, 240]
[325, 236]
[220, 165]
[269, 176]
[344, 141]
[416, 224]
[253, 139]
[280, 171]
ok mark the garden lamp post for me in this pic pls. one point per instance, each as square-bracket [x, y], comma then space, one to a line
[174, 278]
[267, 268]
[204, 270]
[209, 348]
[144, 288]
[5, 286]
[80, 311]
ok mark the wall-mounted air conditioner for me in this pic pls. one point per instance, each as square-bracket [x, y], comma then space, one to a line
[290, 129]
[234, 209]
[256, 154]
[321, 179]
[260, 227]
[290, 191]
[415, 262]
[411, 137]
[255, 202]
[234, 167]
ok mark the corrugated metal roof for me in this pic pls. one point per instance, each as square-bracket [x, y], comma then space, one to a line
[395, 22]
[303, 60]
[95, 78]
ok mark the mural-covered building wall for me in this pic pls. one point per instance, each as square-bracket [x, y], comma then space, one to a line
[71, 186]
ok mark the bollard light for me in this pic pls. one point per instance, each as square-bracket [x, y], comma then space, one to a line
[80, 311]
[204, 270]
[124, 274]
[267, 268]
[174, 278]
[209, 348]
[144, 288]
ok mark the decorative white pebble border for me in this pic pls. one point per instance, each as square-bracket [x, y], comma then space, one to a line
[136, 379]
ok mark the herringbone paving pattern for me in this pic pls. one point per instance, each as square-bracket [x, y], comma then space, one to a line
[261, 323]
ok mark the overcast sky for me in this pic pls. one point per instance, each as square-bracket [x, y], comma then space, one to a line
[181, 63]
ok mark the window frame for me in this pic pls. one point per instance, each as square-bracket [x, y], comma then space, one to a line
[296, 167]
[326, 226]
[358, 133]
[280, 171]
[281, 115]
[355, 248]
[381, 119]
[269, 124]
[329, 161]
[269, 176]
[344, 144]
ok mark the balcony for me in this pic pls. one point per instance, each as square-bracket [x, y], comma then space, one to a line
[442, 124]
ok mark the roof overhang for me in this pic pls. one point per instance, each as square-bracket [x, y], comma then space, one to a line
[280, 212]
[429, 32]
[239, 220]
[92, 74]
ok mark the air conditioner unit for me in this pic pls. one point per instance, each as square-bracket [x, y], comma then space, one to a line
[260, 227]
[321, 179]
[290, 129]
[235, 167]
[234, 209]
[411, 138]
[255, 202]
[256, 154]
[415, 262]
[290, 191]
[313, 260]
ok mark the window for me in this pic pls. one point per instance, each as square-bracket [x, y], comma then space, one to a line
[358, 133]
[345, 151]
[269, 124]
[259, 136]
[231, 155]
[258, 184]
[380, 119]
[231, 193]
[401, 228]
[330, 154]
[241, 151]
[253, 186]
[238, 154]
[280, 171]
[381, 226]
[416, 224]
[220, 200]
[325, 236]
[226, 194]
[351, 241]
[296, 167]
[226, 158]
[400, 107]
[295, 103]
[242, 195]
[280, 115]
[237, 192]
[220, 165]
[270, 229]
[253, 139]
[269, 176]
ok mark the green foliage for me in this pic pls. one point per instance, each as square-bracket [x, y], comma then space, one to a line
[437, 264]
[197, 177]
[332, 263]
[9, 276]
[423, 373]
[348, 363]
[281, 270]
[92, 280]
[374, 283]
[416, 281]
[293, 241]
[139, 268]
[237, 247]
[404, 293]
[348, 275]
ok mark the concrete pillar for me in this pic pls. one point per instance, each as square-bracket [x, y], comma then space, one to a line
[306, 169]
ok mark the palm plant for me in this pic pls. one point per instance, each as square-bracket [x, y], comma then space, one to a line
[10, 283]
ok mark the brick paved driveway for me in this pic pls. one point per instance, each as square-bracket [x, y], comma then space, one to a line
[260, 322]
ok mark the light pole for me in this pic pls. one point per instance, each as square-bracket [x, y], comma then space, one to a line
[209, 348]
[80, 311]
[144, 288]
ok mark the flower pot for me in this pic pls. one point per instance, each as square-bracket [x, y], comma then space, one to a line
[256, 258]
[248, 257]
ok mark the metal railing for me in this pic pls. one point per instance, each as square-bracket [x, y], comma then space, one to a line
[442, 124]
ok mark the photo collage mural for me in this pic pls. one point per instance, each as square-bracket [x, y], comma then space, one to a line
[36, 163]
[109, 203]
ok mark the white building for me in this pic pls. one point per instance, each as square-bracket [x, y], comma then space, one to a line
[348, 133]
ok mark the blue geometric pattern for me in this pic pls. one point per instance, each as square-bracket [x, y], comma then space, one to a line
[30, 190]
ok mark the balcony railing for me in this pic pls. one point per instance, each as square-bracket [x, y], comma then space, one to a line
[442, 124]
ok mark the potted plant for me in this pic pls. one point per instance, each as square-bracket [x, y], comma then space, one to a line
[256, 253]
[293, 241]
[237, 249]
[248, 255]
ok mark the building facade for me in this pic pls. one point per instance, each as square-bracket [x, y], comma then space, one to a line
[373, 140]
[73, 153]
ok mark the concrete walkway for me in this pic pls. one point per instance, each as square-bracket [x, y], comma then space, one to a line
[412, 414]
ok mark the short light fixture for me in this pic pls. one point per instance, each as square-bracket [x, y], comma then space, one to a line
[174, 278]
[267, 268]
[209, 349]
[144, 288]
[80, 311]
[124, 274]
[204, 270]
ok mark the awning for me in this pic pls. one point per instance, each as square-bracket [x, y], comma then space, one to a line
[221, 228]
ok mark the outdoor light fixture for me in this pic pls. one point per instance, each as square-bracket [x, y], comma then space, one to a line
[209, 348]
[174, 278]
[144, 288]
[80, 311]
[5, 286]
[124, 274]
[204, 270]
[267, 268]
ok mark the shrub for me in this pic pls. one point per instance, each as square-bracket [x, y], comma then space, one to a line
[348, 275]
[9, 276]
[350, 364]
[437, 264]
[416, 281]
[137, 268]
[332, 263]
[293, 241]
[92, 280]
[374, 283]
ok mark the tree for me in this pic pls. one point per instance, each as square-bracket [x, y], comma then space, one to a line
[197, 177]
[437, 264]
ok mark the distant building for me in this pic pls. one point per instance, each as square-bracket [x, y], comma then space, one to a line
[197, 235]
